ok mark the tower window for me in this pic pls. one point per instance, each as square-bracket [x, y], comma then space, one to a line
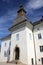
[17, 36]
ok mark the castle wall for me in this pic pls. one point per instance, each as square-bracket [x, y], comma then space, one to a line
[21, 43]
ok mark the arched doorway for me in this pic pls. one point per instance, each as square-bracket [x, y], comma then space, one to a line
[17, 53]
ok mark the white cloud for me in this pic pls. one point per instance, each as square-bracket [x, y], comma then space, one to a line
[10, 15]
[34, 4]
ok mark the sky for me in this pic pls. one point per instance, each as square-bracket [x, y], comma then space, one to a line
[8, 12]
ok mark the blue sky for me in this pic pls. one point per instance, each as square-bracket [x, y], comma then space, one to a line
[8, 12]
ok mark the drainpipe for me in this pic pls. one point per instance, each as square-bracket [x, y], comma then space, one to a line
[34, 47]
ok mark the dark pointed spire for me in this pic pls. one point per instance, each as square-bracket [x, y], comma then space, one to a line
[21, 11]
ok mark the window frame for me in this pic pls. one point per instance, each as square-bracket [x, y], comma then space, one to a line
[41, 48]
[39, 36]
[17, 36]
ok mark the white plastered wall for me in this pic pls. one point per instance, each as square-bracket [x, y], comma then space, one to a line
[38, 29]
[3, 49]
[30, 43]
[22, 44]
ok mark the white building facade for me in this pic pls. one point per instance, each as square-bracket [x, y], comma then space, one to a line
[25, 44]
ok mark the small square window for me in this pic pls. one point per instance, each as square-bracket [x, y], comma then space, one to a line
[17, 36]
[39, 36]
[41, 48]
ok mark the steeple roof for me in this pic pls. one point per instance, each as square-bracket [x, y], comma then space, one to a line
[21, 11]
[21, 18]
[21, 8]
